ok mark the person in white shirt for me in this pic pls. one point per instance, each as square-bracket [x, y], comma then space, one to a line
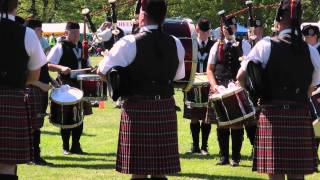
[22, 58]
[197, 114]
[311, 35]
[223, 65]
[285, 143]
[63, 58]
[151, 60]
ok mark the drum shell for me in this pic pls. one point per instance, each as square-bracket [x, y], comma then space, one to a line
[185, 32]
[66, 116]
[93, 87]
[232, 108]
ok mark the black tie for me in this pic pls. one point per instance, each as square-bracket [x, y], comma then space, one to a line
[203, 44]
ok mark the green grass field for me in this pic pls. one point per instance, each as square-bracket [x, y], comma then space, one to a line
[100, 141]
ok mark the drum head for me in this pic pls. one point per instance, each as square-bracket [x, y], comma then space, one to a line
[201, 80]
[66, 95]
[88, 76]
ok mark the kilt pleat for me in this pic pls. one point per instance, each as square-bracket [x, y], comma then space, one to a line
[15, 127]
[38, 101]
[148, 140]
[285, 142]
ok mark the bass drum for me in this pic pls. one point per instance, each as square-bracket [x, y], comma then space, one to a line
[184, 29]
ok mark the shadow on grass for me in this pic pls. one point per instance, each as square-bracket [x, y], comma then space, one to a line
[213, 177]
[211, 156]
[85, 166]
[83, 158]
[58, 134]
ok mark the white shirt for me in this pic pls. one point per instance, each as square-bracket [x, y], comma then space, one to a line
[316, 45]
[262, 50]
[56, 53]
[33, 48]
[124, 52]
[104, 35]
[246, 47]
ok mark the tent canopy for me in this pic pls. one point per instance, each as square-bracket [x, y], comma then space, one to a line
[58, 28]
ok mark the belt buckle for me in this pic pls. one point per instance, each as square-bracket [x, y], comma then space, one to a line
[157, 97]
[286, 106]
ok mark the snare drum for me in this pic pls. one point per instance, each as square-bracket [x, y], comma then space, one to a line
[197, 97]
[66, 107]
[315, 109]
[232, 106]
[92, 87]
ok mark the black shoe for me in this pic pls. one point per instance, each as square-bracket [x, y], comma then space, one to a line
[178, 108]
[77, 151]
[117, 106]
[40, 162]
[223, 161]
[235, 163]
[195, 150]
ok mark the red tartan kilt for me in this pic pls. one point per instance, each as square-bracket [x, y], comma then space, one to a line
[285, 142]
[148, 140]
[15, 133]
[38, 101]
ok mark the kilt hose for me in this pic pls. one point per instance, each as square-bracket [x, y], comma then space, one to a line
[285, 142]
[15, 127]
[148, 140]
[38, 101]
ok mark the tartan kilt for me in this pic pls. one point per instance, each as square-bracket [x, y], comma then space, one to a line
[15, 127]
[148, 140]
[285, 142]
[38, 101]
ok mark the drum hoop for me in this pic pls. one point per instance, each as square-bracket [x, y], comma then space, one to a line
[191, 105]
[230, 122]
[67, 126]
[88, 76]
[194, 59]
[66, 103]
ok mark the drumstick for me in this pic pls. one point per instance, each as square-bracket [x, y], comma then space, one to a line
[85, 69]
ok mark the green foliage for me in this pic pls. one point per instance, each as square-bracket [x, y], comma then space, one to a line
[64, 10]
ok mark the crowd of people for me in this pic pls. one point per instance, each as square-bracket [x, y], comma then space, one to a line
[281, 133]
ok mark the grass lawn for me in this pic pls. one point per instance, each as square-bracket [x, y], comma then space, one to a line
[100, 141]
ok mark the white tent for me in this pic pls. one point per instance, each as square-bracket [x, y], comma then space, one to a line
[58, 28]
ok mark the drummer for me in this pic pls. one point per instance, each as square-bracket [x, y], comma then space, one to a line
[64, 58]
[285, 144]
[38, 99]
[21, 59]
[222, 69]
[193, 113]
